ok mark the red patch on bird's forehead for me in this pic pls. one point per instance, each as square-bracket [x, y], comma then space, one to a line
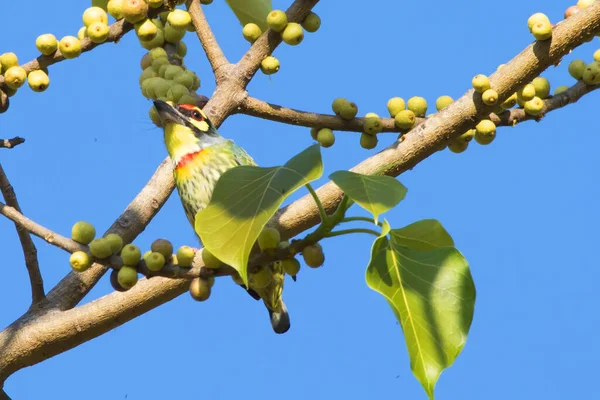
[187, 106]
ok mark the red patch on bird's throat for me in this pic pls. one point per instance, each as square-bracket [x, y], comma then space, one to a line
[188, 158]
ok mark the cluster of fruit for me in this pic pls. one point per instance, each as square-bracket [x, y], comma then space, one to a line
[292, 33]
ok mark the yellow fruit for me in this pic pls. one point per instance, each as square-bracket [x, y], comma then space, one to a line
[46, 44]
[467, 136]
[83, 232]
[395, 105]
[585, 3]
[489, 97]
[485, 132]
[134, 10]
[534, 106]
[115, 8]
[418, 105]
[542, 87]
[458, 146]
[325, 137]
[597, 55]
[146, 30]
[251, 32]
[372, 125]
[8, 60]
[405, 119]
[70, 47]
[481, 83]
[210, 261]
[526, 93]
[15, 77]
[200, 289]
[510, 102]
[291, 266]
[179, 19]
[97, 32]
[368, 141]
[313, 255]
[571, 10]
[591, 75]
[80, 261]
[560, 89]
[348, 111]
[536, 18]
[82, 33]
[154, 3]
[268, 239]
[131, 254]
[292, 34]
[38, 80]
[172, 34]
[100, 248]
[443, 102]
[94, 14]
[127, 277]
[185, 256]
[311, 23]
[155, 43]
[269, 65]
[155, 261]
[115, 241]
[338, 104]
[277, 20]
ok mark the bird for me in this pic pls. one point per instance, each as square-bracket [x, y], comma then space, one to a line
[200, 155]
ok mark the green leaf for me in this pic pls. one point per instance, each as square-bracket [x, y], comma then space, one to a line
[432, 295]
[426, 234]
[244, 200]
[255, 11]
[375, 193]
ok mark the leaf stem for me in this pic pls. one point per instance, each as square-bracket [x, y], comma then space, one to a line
[365, 219]
[322, 212]
[350, 231]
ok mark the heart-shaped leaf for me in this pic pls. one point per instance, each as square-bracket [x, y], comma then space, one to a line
[244, 200]
[375, 193]
[431, 293]
[255, 11]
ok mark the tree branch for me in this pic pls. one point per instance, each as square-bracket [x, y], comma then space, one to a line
[10, 143]
[213, 51]
[29, 249]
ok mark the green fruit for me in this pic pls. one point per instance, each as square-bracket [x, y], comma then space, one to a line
[237, 278]
[291, 266]
[114, 281]
[405, 119]
[147, 74]
[46, 44]
[155, 261]
[489, 97]
[467, 136]
[70, 47]
[372, 125]
[251, 32]
[348, 111]
[176, 92]
[115, 241]
[97, 32]
[261, 278]
[127, 277]
[196, 82]
[15, 77]
[172, 34]
[591, 75]
[268, 239]
[418, 105]
[155, 43]
[292, 34]
[576, 68]
[313, 255]
[115, 8]
[80, 261]
[481, 83]
[395, 105]
[206, 2]
[510, 102]
[269, 65]
[131, 254]
[157, 87]
[443, 102]
[526, 93]
[158, 62]
[560, 89]
[458, 146]
[172, 71]
[536, 18]
[134, 11]
[200, 289]
[157, 53]
[179, 19]
[338, 104]
[187, 99]
[8, 60]
[542, 30]
[100, 248]
[534, 106]
[146, 61]
[162, 246]
[368, 141]
[146, 30]
[277, 20]
[154, 117]
[325, 137]
[485, 132]
[314, 132]
[38, 80]
[542, 87]
[94, 14]
[154, 3]
[82, 33]
[185, 78]
[185, 256]
[597, 55]
[311, 23]
[181, 49]
[83, 232]
[210, 261]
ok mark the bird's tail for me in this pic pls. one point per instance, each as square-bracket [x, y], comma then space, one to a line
[280, 321]
[267, 284]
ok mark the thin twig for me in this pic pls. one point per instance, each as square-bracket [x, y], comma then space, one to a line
[29, 249]
[213, 51]
[10, 143]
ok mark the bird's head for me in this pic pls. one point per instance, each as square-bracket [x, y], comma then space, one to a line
[187, 129]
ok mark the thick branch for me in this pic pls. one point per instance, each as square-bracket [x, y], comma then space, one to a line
[209, 43]
[29, 249]
[10, 143]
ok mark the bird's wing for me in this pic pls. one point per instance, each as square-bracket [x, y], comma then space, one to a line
[240, 155]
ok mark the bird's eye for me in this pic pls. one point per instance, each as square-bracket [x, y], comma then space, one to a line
[196, 115]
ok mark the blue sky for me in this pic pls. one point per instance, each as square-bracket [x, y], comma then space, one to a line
[523, 211]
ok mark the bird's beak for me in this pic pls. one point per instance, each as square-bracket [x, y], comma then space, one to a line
[167, 113]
